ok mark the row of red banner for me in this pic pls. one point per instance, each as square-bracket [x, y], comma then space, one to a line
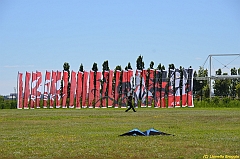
[97, 89]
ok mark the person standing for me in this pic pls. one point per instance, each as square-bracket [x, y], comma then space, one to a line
[129, 102]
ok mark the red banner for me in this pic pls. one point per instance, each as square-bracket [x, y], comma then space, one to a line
[85, 88]
[65, 89]
[117, 88]
[144, 90]
[53, 89]
[190, 88]
[138, 87]
[39, 89]
[104, 89]
[184, 88]
[157, 89]
[150, 87]
[27, 90]
[163, 88]
[97, 90]
[33, 90]
[91, 90]
[46, 88]
[20, 91]
[130, 82]
[171, 88]
[124, 88]
[58, 89]
[79, 89]
[110, 90]
[72, 89]
[177, 88]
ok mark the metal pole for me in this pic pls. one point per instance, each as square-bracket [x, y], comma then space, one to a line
[225, 54]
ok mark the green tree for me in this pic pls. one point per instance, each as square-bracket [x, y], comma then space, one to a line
[94, 67]
[66, 67]
[118, 67]
[219, 72]
[159, 67]
[105, 66]
[1, 98]
[2, 103]
[171, 66]
[202, 72]
[13, 104]
[206, 91]
[140, 63]
[199, 84]
[221, 87]
[129, 66]
[151, 65]
[163, 67]
[196, 85]
[238, 90]
[233, 83]
[81, 68]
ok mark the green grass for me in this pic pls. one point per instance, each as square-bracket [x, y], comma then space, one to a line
[94, 133]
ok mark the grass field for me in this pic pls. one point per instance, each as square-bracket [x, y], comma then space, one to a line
[94, 133]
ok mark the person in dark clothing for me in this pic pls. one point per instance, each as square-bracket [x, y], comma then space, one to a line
[129, 103]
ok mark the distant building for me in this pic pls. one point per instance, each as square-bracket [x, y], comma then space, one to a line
[11, 96]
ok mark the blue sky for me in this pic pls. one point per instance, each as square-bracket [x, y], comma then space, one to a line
[42, 35]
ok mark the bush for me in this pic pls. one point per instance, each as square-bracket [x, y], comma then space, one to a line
[226, 100]
[2, 106]
[234, 103]
[215, 101]
[8, 104]
[207, 100]
[13, 105]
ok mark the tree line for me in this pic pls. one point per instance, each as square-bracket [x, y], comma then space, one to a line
[222, 88]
